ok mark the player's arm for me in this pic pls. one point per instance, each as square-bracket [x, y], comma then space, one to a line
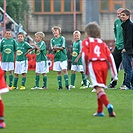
[34, 45]
[29, 51]
[80, 53]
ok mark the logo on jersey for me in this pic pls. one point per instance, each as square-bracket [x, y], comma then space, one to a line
[37, 52]
[19, 52]
[74, 54]
[7, 51]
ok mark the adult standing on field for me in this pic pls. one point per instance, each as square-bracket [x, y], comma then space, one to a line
[58, 46]
[127, 52]
[118, 32]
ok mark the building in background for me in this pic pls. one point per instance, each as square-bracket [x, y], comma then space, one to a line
[44, 14]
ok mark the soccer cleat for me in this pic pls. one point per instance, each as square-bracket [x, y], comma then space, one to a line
[83, 87]
[44, 88]
[36, 88]
[110, 110]
[67, 87]
[71, 86]
[22, 88]
[111, 86]
[2, 125]
[60, 88]
[124, 87]
[13, 87]
[98, 114]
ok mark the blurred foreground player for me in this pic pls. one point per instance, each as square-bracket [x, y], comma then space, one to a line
[3, 89]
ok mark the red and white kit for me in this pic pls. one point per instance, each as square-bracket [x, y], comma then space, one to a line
[96, 58]
[3, 87]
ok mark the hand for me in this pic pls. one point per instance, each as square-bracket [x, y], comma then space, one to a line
[124, 50]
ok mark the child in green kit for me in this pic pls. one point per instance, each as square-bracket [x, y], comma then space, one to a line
[41, 61]
[21, 64]
[77, 61]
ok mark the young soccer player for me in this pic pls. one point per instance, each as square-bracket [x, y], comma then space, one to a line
[96, 56]
[41, 61]
[3, 89]
[8, 49]
[21, 64]
[58, 47]
[76, 60]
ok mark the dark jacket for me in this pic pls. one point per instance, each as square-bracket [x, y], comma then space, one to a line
[128, 36]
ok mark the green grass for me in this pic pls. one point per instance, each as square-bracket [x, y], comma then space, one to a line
[52, 111]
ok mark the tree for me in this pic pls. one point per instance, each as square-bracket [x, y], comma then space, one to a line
[16, 9]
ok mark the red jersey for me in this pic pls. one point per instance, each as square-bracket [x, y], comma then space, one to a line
[94, 49]
[3, 87]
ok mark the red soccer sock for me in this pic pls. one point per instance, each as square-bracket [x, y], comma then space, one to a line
[103, 98]
[1, 111]
[100, 106]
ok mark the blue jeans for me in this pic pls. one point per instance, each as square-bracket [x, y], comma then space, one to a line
[127, 65]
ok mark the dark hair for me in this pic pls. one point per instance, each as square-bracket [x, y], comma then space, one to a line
[127, 12]
[20, 33]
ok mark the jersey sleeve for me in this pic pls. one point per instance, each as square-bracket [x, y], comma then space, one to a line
[85, 57]
[63, 42]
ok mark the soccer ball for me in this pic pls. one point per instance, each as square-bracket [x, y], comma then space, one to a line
[88, 83]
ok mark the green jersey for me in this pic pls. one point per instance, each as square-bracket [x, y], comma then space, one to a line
[59, 55]
[76, 50]
[22, 48]
[41, 54]
[8, 49]
[118, 31]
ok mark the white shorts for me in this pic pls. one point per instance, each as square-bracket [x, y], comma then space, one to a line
[77, 68]
[7, 66]
[21, 67]
[59, 66]
[42, 67]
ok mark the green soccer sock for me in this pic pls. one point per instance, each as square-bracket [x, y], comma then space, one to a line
[23, 81]
[73, 77]
[84, 80]
[45, 81]
[59, 78]
[66, 80]
[37, 80]
[10, 80]
[15, 82]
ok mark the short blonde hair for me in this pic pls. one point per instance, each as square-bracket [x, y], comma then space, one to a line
[56, 27]
[93, 30]
[40, 34]
[77, 32]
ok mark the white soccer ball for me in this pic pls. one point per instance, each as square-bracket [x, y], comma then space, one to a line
[88, 83]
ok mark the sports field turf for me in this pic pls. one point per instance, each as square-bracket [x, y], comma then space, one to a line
[53, 111]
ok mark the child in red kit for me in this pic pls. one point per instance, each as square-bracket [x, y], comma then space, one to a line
[3, 89]
[96, 56]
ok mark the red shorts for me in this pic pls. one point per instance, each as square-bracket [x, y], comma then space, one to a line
[98, 71]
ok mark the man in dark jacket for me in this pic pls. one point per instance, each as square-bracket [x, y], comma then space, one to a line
[127, 51]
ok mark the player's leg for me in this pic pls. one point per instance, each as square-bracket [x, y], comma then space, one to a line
[73, 76]
[57, 68]
[2, 124]
[44, 81]
[63, 66]
[98, 74]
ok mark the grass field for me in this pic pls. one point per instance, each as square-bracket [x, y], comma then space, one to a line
[53, 111]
